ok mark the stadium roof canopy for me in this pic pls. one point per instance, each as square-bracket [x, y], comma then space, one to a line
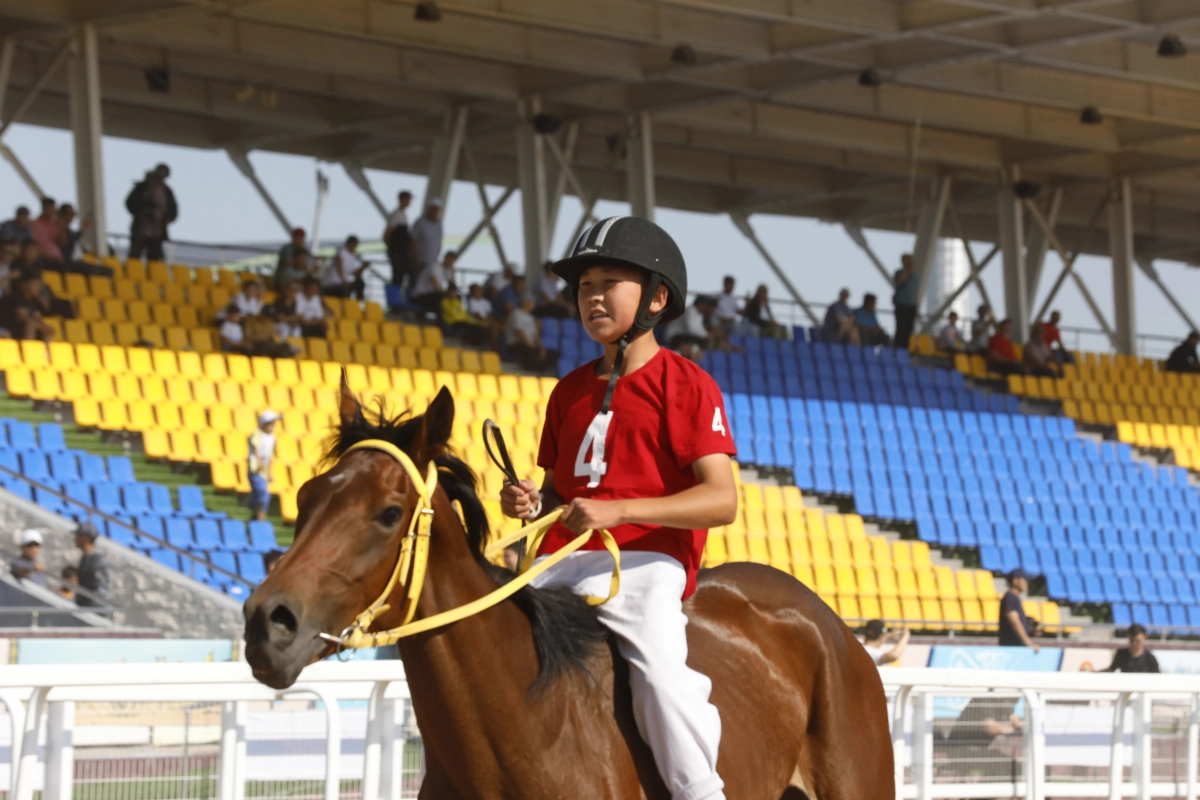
[855, 111]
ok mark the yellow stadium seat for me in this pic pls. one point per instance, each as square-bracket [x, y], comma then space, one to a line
[113, 414]
[34, 354]
[193, 416]
[45, 384]
[19, 381]
[362, 353]
[985, 584]
[209, 447]
[75, 285]
[228, 279]
[101, 286]
[340, 352]
[88, 308]
[346, 330]
[54, 282]
[157, 271]
[490, 363]
[166, 364]
[203, 340]
[449, 359]
[239, 367]
[181, 274]
[317, 349]
[183, 445]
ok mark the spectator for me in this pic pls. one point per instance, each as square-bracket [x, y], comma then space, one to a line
[549, 297]
[693, 333]
[343, 275]
[1135, 658]
[839, 321]
[1001, 352]
[869, 331]
[432, 282]
[284, 314]
[29, 257]
[874, 638]
[498, 281]
[907, 283]
[22, 310]
[29, 564]
[479, 306]
[51, 304]
[427, 239]
[1053, 337]
[68, 237]
[950, 339]
[1014, 625]
[287, 254]
[523, 337]
[400, 243]
[294, 268]
[19, 228]
[261, 338]
[250, 299]
[758, 313]
[729, 310]
[262, 452]
[70, 579]
[271, 558]
[153, 206]
[1037, 359]
[45, 231]
[314, 314]
[233, 338]
[9, 253]
[981, 331]
[459, 322]
[1184, 358]
[509, 298]
[93, 567]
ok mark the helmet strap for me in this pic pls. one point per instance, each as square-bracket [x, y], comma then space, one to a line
[618, 362]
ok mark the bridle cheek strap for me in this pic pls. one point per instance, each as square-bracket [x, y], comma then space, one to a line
[413, 561]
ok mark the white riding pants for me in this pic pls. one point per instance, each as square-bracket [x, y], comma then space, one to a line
[670, 700]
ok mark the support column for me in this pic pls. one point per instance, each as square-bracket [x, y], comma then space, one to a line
[1037, 245]
[241, 160]
[354, 171]
[742, 222]
[1120, 246]
[929, 228]
[640, 166]
[1011, 232]
[556, 179]
[443, 162]
[531, 177]
[84, 81]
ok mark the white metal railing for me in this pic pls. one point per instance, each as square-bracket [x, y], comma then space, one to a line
[345, 731]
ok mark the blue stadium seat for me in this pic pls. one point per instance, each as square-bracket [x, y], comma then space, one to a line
[179, 533]
[195, 568]
[262, 536]
[207, 533]
[120, 470]
[151, 525]
[20, 436]
[122, 535]
[136, 499]
[64, 466]
[191, 501]
[107, 498]
[92, 468]
[223, 559]
[168, 558]
[250, 567]
[35, 466]
[50, 437]
[160, 499]
[1121, 615]
[233, 533]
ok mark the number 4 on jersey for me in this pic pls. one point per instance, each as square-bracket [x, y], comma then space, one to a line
[718, 423]
[593, 468]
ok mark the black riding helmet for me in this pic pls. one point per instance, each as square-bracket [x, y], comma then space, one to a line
[638, 243]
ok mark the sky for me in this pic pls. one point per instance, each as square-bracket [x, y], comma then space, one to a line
[217, 204]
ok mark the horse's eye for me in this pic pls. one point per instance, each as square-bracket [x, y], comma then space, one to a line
[390, 516]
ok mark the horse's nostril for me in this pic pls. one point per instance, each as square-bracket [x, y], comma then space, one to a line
[284, 618]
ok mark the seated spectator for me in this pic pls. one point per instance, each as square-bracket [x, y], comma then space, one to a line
[29, 257]
[950, 339]
[250, 299]
[509, 298]
[44, 231]
[1001, 352]
[1037, 359]
[839, 321]
[1053, 339]
[498, 281]
[432, 282]
[478, 306]
[29, 564]
[874, 638]
[869, 331]
[22, 311]
[693, 332]
[459, 322]
[1183, 358]
[343, 275]
[298, 268]
[69, 238]
[522, 334]
[287, 253]
[284, 314]
[1135, 658]
[729, 310]
[233, 339]
[9, 252]
[70, 579]
[261, 338]
[19, 228]
[549, 296]
[981, 331]
[314, 314]
[758, 313]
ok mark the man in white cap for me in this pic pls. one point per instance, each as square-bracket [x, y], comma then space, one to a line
[262, 452]
[29, 564]
[427, 237]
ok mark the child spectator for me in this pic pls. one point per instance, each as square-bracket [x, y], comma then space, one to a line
[260, 336]
[70, 579]
[29, 564]
[284, 314]
[262, 453]
[523, 336]
[313, 312]
[950, 339]
[233, 339]
[459, 322]
[250, 299]
[728, 308]
[478, 306]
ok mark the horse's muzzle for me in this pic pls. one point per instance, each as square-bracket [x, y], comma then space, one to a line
[278, 645]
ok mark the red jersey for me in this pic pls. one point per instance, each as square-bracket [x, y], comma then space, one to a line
[1002, 346]
[665, 416]
[1050, 334]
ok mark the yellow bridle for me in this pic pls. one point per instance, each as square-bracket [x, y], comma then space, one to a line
[414, 558]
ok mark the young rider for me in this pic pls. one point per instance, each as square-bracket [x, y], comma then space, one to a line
[648, 458]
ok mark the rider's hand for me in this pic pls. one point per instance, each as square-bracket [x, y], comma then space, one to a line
[590, 515]
[517, 501]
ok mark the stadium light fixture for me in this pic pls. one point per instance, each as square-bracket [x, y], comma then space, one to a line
[683, 54]
[1091, 116]
[1171, 46]
[427, 11]
[869, 77]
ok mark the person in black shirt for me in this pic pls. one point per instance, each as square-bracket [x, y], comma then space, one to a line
[22, 309]
[1183, 358]
[1135, 658]
[1014, 625]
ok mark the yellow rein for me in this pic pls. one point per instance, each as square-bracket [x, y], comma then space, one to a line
[414, 559]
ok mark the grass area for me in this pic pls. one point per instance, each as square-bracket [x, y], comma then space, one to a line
[167, 474]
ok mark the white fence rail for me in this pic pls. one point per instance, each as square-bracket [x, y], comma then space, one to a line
[346, 732]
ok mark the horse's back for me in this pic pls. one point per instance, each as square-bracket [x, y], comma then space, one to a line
[801, 702]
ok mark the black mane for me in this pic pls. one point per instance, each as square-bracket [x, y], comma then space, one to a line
[565, 629]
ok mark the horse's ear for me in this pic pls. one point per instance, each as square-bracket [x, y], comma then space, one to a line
[348, 407]
[439, 420]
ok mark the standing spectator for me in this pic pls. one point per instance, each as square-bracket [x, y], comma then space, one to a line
[29, 564]
[839, 321]
[314, 314]
[691, 334]
[874, 638]
[22, 310]
[758, 313]
[233, 338]
[343, 275]
[549, 297]
[459, 322]
[523, 337]
[153, 206]
[19, 228]
[250, 299]
[950, 339]
[284, 314]
[869, 331]
[262, 452]
[1135, 658]
[432, 282]
[45, 231]
[427, 239]
[292, 263]
[1053, 338]
[1183, 358]
[1001, 352]
[93, 567]
[498, 281]
[70, 579]
[399, 242]
[981, 331]
[1037, 359]
[729, 310]
[1014, 625]
[69, 238]
[907, 283]
[509, 298]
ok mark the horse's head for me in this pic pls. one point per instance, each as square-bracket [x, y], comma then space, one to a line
[348, 532]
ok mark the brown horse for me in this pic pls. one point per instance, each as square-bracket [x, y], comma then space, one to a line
[529, 698]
